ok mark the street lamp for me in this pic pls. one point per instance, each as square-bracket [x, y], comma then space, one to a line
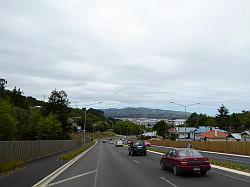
[185, 106]
[85, 120]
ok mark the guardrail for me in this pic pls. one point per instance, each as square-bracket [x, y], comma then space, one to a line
[240, 148]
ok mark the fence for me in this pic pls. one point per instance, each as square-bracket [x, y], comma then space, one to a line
[241, 148]
[30, 150]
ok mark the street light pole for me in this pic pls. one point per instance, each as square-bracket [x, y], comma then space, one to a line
[185, 107]
[85, 120]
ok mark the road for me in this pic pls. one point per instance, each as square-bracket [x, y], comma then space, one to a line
[106, 166]
[220, 157]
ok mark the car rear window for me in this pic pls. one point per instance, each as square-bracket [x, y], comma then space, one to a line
[189, 153]
[139, 144]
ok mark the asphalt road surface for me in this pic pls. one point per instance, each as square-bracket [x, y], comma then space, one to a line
[108, 166]
[220, 157]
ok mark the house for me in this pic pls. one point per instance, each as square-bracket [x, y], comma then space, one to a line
[177, 122]
[195, 135]
[215, 135]
[182, 133]
[235, 137]
[245, 136]
[150, 134]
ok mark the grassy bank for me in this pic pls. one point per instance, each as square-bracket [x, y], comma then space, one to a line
[101, 135]
[226, 164]
[76, 152]
[11, 166]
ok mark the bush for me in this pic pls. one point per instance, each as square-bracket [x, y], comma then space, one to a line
[49, 128]
[7, 122]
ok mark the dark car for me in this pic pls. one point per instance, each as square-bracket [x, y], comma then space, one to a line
[137, 148]
[185, 160]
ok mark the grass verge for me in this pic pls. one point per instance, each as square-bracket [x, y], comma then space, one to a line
[226, 164]
[76, 152]
[11, 166]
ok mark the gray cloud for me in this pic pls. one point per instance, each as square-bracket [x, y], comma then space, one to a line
[129, 53]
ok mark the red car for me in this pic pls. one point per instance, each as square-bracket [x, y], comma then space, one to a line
[185, 160]
[146, 143]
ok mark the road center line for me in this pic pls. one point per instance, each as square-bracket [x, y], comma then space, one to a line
[71, 178]
[230, 176]
[96, 174]
[137, 162]
[169, 182]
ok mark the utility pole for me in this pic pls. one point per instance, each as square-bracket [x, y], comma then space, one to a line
[185, 107]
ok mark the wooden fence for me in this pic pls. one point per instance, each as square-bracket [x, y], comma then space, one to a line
[241, 148]
[30, 150]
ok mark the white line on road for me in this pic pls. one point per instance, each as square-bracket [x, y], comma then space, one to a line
[96, 174]
[137, 162]
[230, 176]
[169, 182]
[71, 178]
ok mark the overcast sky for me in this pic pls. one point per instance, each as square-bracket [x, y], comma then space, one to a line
[138, 53]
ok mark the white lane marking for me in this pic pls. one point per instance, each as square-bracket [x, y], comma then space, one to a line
[229, 154]
[230, 176]
[169, 182]
[45, 181]
[96, 174]
[136, 162]
[71, 178]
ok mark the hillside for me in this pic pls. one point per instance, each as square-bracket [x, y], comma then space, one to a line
[143, 113]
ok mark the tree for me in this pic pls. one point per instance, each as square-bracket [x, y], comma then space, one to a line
[235, 122]
[58, 105]
[192, 120]
[7, 122]
[161, 127]
[3, 83]
[127, 128]
[49, 128]
[222, 118]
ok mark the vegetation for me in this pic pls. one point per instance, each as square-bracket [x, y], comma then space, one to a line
[25, 118]
[161, 127]
[127, 128]
[74, 153]
[11, 166]
[233, 123]
[101, 135]
[231, 165]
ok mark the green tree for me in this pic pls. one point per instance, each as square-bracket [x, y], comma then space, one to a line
[49, 128]
[3, 83]
[58, 105]
[192, 120]
[7, 122]
[161, 127]
[222, 118]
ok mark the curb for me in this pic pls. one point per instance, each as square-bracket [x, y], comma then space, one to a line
[214, 166]
[45, 181]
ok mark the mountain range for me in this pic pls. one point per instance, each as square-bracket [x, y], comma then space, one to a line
[140, 112]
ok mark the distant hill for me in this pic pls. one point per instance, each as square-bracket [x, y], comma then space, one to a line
[143, 113]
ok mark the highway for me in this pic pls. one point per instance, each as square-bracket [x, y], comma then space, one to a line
[108, 166]
[215, 156]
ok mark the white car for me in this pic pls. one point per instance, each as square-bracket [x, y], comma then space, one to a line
[119, 143]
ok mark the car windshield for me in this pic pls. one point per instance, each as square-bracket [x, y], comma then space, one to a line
[189, 153]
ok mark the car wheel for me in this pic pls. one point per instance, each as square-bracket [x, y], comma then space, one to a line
[175, 170]
[129, 153]
[203, 172]
[162, 165]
